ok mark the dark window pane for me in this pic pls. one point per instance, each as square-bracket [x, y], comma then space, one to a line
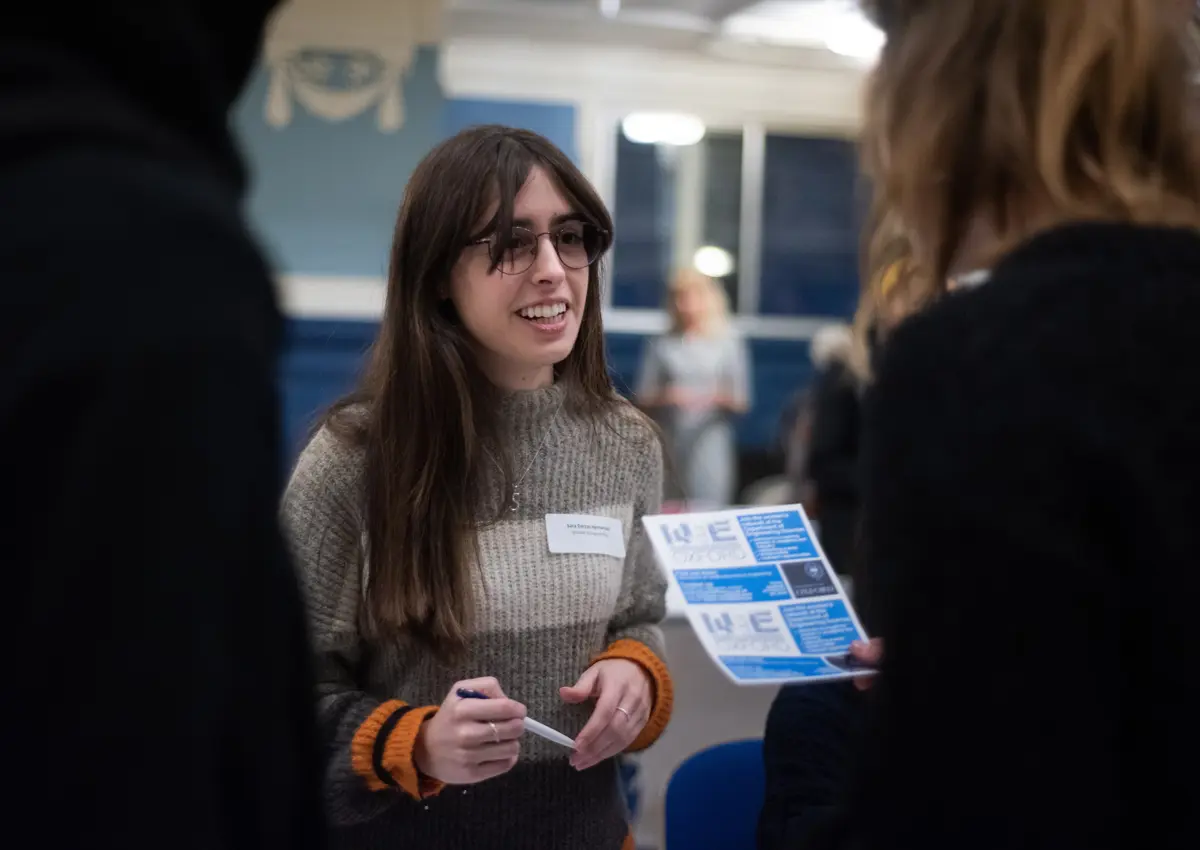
[671, 201]
[810, 228]
[643, 220]
[723, 200]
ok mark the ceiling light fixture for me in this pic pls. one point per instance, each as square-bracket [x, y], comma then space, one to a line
[663, 128]
[712, 261]
[851, 34]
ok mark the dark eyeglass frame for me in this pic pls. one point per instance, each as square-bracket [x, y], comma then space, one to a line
[603, 236]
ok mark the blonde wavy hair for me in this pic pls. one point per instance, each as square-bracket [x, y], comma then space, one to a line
[890, 291]
[1024, 114]
[716, 316]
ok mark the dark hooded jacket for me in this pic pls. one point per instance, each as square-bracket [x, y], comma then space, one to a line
[156, 676]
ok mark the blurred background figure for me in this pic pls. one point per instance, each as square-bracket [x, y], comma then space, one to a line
[694, 380]
[157, 687]
[813, 732]
[1030, 433]
[830, 473]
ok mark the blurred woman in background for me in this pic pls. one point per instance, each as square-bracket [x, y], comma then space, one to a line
[1031, 439]
[693, 381]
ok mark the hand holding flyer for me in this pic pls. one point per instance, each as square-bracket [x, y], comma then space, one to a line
[760, 594]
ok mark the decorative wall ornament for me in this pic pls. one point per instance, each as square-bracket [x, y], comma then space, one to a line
[341, 58]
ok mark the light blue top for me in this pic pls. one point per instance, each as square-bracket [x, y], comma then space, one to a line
[700, 439]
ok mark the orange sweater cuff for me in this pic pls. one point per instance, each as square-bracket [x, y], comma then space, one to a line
[397, 757]
[660, 678]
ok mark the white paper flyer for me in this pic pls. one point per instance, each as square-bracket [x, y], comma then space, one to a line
[760, 593]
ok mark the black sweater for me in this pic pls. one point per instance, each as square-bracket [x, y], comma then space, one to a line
[157, 690]
[833, 462]
[1032, 495]
[811, 735]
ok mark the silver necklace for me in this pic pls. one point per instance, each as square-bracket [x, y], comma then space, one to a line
[514, 499]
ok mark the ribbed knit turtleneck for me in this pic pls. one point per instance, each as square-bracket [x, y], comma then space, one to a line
[541, 620]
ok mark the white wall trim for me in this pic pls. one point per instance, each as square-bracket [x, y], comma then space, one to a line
[362, 298]
[328, 297]
[722, 91]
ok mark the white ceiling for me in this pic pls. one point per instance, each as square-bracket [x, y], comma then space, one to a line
[770, 31]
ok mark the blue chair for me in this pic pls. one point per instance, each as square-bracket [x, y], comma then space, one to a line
[713, 799]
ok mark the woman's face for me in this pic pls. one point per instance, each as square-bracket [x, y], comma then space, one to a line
[526, 322]
[690, 305]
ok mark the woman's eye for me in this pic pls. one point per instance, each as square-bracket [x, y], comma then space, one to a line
[517, 242]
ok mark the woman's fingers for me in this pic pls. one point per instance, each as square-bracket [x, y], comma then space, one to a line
[475, 735]
[493, 753]
[492, 769]
[628, 718]
[610, 743]
[602, 716]
[486, 685]
[490, 710]
[870, 652]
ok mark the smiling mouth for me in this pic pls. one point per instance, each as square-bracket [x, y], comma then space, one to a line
[544, 314]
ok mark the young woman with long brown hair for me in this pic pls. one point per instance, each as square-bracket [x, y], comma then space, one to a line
[431, 516]
[1031, 439]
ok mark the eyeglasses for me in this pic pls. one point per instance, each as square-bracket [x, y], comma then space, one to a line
[577, 243]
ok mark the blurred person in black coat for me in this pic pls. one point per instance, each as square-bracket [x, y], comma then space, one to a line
[832, 457]
[1030, 438]
[158, 691]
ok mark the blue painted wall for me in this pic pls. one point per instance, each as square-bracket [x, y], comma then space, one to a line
[321, 362]
[323, 359]
[324, 195]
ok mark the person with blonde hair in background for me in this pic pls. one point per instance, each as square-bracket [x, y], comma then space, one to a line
[1031, 443]
[693, 380]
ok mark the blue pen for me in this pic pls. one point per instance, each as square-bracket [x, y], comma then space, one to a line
[539, 729]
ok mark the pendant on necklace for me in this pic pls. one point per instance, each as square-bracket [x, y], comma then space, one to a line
[512, 502]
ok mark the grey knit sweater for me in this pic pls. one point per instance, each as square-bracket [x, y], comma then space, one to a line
[541, 620]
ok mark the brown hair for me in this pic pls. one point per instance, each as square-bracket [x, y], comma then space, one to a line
[424, 411]
[1002, 110]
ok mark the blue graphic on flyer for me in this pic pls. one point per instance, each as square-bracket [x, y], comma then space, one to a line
[765, 604]
[750, 668]
[778, 536]
[822, 627]
[732, 584]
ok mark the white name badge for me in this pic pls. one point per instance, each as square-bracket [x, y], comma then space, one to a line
[578, 534]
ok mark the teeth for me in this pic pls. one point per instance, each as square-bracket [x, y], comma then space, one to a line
[544, 311]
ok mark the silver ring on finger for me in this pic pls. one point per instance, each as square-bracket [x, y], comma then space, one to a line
[495, 732]
[628, 716]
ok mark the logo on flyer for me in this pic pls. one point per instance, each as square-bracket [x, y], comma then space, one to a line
[703, 542]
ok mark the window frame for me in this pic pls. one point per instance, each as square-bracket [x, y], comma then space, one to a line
[601, 131]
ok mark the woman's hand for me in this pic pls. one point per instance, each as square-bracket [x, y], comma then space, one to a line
[870, 653]
[624, 694]
[470, 740]
[682, 399]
